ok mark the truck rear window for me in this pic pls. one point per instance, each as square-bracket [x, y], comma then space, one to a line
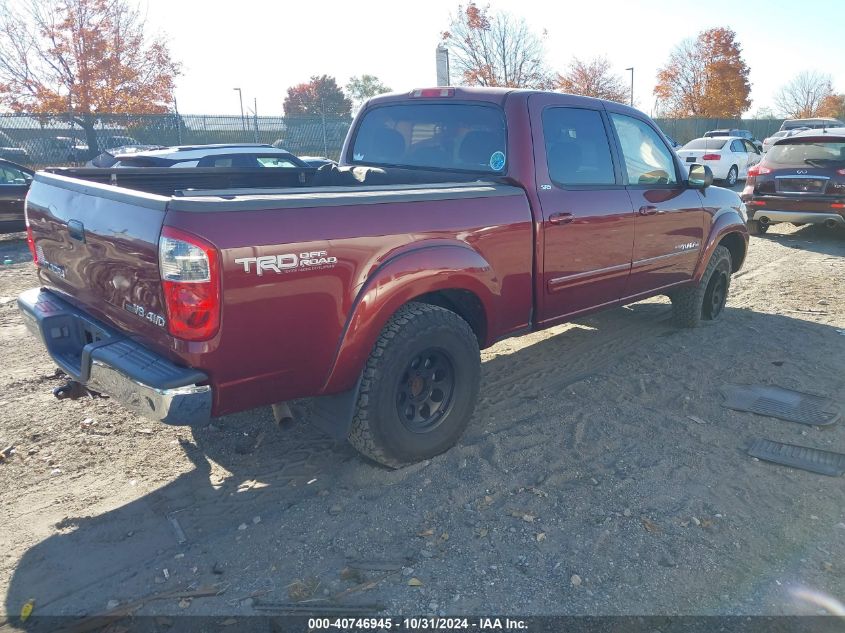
[807, 153]
[434, 136]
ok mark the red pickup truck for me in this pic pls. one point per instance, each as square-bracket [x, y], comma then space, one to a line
[457, 217]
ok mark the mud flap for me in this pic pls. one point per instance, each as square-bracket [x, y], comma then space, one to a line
[803, 457]
[333, 414]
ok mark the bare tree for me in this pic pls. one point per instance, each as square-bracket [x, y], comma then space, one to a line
[593, 78]
[81, 58]
[805, 96]
[496, 49]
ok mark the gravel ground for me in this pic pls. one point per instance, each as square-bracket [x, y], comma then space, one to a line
[600, 475]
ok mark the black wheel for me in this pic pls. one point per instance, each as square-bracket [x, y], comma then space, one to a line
[419, 386]
[733, 174]
[755, 227]
[705, 301]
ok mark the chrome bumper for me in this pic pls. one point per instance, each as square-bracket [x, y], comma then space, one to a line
[106, 361]
[801, 217]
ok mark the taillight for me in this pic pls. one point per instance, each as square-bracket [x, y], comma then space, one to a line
[30, 241]
[190, 278]
[711, 157]
[758, 170]
[837, 205]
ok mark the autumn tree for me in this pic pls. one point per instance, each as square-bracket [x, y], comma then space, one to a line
[806, 95]
[593, 78]
[495, 49]
[78, 59]
[364, 87]
[833, 106]
[319, 97]
[706, 77]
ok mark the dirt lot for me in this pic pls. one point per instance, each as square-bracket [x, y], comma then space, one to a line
[600, 475]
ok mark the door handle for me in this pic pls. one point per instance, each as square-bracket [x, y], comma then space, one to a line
[561, 218]
[648, 209]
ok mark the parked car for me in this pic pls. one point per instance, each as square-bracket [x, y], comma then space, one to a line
[374, 294]
[746, 134]
[107, 158]
[241, 155]
[55, 149]
[801, 180]
[112, 142]
[815, 123]
[317, 161]
[14, 183]
[779, 135]
[729, 157]
[11, 151]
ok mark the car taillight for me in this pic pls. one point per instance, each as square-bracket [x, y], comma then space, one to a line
[711, 157]
[758, 170]
[190, 278]
[30, 241]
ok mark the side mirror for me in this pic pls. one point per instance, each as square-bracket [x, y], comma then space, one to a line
[700, 176]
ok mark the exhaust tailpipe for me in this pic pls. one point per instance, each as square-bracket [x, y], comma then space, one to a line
[764, 221]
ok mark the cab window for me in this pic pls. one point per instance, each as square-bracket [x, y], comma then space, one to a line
[577, 147]
[647, 159]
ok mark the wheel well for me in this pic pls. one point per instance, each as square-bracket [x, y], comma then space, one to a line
[736, 245]
[463, 303]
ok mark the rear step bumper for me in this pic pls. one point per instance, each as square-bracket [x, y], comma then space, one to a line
[106, 361]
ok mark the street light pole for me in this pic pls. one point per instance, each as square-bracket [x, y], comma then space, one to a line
[632, 85]
[241, 98]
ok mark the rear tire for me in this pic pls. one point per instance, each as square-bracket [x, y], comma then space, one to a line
[705, 301]
[419, 386]
[755, 227]
[733, 174]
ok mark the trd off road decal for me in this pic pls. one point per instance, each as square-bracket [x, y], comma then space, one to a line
[289, 262]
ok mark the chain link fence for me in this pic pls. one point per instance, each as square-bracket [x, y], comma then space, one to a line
[57, 140]
[39, 140]
[684, 130]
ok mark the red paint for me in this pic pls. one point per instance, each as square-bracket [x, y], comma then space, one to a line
[307, 332]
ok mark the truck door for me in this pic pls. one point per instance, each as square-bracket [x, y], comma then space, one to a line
[587, 217]
[670, 216]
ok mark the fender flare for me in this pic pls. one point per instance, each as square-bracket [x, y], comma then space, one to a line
[725, 221]
[397, 281]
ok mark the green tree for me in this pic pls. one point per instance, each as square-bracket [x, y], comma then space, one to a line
[365, 87]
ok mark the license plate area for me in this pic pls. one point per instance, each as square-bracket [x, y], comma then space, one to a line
[690, 159]
[801, 185]
[69, 339]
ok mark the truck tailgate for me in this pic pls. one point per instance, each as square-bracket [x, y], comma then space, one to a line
[97, 246]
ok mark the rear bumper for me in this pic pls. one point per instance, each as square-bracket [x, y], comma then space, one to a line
[106, 361]
[800, 217]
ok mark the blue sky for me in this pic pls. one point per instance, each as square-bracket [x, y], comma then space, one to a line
[265, 46]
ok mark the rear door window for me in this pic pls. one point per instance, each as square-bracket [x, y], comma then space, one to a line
[451, 136]
[577, 147]
[647, 159]
[738, 147]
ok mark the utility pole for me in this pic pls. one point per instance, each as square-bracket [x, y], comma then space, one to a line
[241, 98]
[632, 85]
[325, 140]
[255, 112]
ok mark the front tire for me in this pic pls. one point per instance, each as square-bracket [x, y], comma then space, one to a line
[419, 386]
[733, 174]
[705, 301]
